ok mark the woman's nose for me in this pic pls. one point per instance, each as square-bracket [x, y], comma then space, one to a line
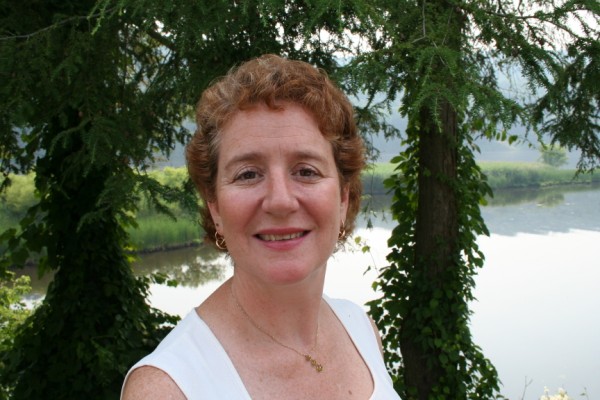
[280, 198]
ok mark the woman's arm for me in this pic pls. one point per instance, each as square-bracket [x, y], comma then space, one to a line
[149, 383]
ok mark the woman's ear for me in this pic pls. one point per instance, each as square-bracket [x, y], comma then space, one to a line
[344, 203]
[213, 207]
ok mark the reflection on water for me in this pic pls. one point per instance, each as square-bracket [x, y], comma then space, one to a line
[191, 267]
[542, 211]
[550, 196]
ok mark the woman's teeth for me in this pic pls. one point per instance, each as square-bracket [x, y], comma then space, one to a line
[273, 238]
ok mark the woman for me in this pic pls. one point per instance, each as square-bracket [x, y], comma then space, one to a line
[277, 161]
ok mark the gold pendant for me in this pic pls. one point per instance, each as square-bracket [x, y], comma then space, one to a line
[313, 362]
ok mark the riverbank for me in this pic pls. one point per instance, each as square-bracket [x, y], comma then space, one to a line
[500, 176]
[158, 232]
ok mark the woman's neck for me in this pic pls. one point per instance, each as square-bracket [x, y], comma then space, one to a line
[290, 313]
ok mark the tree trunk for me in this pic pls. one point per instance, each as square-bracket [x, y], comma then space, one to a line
[436, 237]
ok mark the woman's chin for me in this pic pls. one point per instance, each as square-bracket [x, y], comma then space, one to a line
[284, 272]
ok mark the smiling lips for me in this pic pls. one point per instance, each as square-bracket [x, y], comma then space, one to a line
[277, 238]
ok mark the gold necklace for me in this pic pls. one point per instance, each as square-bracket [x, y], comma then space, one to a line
[314, 363]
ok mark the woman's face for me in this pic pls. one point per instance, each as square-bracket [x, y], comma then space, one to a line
[279, 203]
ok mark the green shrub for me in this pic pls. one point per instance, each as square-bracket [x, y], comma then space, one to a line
[12, 314]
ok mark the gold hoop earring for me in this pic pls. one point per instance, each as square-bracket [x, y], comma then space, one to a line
[220, 241]
[342, 233]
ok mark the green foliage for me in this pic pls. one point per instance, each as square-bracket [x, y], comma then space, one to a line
[568, 111]
[12, 309]
[94, 352]
[13, 313]
[554, 156]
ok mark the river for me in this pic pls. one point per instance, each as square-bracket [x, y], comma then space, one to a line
[537, 312]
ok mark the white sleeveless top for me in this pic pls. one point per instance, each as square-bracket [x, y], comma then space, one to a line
[194, 358]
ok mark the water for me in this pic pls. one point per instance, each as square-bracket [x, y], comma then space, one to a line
[536, 315]
[538, 295]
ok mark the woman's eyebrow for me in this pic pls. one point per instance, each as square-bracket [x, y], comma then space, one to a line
[310, 155]
[242, 158]
[301, 154]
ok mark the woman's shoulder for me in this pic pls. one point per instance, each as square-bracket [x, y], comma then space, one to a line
[157, 373]
[149, 383]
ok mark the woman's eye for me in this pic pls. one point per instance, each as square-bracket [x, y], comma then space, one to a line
[307, 172]
[246, 176]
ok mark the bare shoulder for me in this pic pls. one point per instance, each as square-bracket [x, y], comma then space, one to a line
[150, 383]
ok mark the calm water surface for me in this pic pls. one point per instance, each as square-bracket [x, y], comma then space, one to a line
[538, 297]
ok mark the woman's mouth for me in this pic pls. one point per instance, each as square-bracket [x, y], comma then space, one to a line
[278, 238]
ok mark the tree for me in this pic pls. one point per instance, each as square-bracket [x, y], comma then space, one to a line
[442, 58]
[92, 91]
[555, 156]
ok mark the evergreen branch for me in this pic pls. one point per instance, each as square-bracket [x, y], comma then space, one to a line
[55, 25]
[537, 16]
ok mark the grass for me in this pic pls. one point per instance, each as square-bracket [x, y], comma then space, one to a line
[504, 175]
[156, 232]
